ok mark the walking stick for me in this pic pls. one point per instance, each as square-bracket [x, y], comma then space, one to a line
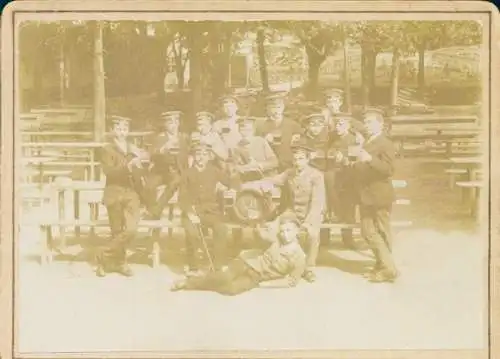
[204, 243]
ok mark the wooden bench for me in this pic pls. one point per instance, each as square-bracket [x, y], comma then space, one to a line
[51, 174]
[47, 225]
[454, 172]
[154, 226]
[473, 187]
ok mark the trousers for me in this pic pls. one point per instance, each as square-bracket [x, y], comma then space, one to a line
[237, 278]
[124, 216]
[376, 230]
[154, 203]
[220, 236]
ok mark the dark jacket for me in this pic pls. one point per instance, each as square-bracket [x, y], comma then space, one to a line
[375, 177]
[322, 147]
[171, 160]
[198, 190]
[120, 181]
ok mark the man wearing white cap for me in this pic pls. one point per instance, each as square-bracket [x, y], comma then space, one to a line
[227, 127]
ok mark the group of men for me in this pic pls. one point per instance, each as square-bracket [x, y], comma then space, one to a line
[325, 164]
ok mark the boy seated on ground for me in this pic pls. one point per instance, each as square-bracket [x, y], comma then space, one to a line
[283, 261]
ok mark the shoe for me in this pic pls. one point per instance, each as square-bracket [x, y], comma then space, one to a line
[178, 285]
[384, 276]
[124, 270]
[309, 276]
[101, 267]
[192, 272]
[375, 269]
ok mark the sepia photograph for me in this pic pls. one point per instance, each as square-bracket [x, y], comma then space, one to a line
[202, 181]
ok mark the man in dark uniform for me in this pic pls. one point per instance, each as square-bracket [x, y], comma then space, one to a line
[169, 151]
[279, 130]
[284, 260]
[200, 205]
[345, 191]
[206, 134]
[374, 166]
[122, 164]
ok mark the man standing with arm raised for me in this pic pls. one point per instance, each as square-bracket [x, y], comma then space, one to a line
[374, 168]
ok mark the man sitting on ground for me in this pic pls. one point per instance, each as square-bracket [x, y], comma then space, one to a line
[284, 261]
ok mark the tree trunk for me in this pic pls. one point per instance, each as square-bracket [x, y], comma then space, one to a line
[261, 52]
[99, 89]
[421, 70]
[396, 55]
[347, 77]
[372, 73]
[62, 70]
[364, 78]
[314, 61]
[195, 70]
[161, 46]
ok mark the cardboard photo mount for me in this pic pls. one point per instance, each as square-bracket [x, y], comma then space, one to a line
[18, 11]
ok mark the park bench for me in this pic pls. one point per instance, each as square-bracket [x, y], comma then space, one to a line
[28, 174]
[473, 187]
[432, 119]
[153, 226]
[448, 139]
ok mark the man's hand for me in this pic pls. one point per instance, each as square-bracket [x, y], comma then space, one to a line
[194, 218]
[292, 282]
[364, 156]
[270, 138]
[339, 156]
[134, 162]
[307, 227]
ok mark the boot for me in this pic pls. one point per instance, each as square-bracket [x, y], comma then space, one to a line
[124, 270]
[102, 267]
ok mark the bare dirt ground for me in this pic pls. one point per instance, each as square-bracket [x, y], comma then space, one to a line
[438, 303]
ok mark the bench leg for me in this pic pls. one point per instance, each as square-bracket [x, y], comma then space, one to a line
[46, 256]
[155, 254]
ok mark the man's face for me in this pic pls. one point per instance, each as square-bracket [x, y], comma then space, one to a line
[230, 108]
[342, 126]
[247, 130]
[121, 130]
[288, 232]
[275, 111]
[315, 127]
[334, 102]
[203, 126]
[373, 124]
[300, 158]
[172, 125]
[201, 157]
